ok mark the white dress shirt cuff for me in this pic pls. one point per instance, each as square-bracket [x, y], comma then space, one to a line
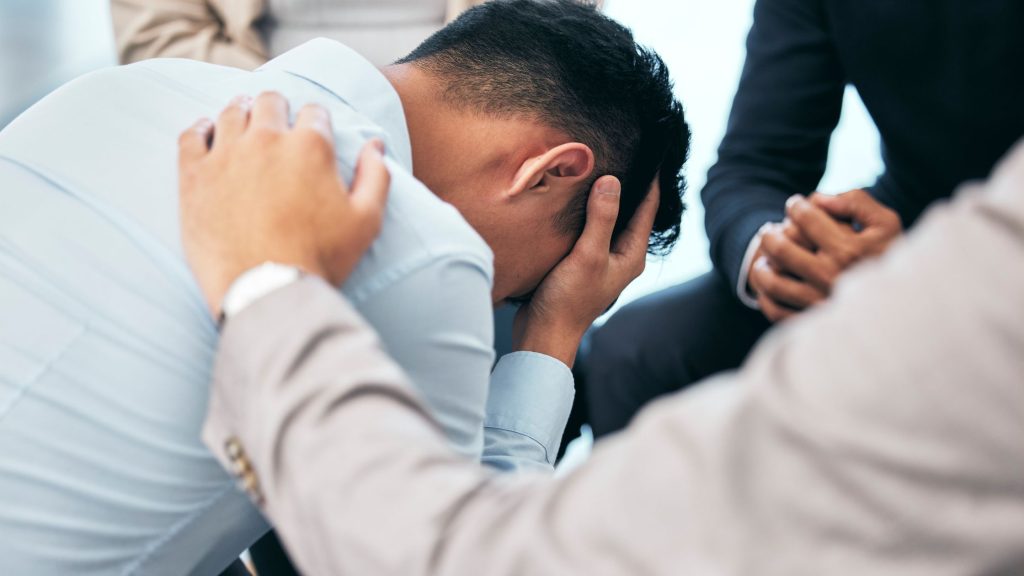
[255, 283]
[743, 291]
[531, 395]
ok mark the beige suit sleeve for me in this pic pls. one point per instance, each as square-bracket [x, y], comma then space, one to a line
[879, 434]
[218, 31]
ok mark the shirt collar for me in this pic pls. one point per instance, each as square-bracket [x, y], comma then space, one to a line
[353, 79]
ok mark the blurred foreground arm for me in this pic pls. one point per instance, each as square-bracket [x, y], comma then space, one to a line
[861, 461]
[217, 31]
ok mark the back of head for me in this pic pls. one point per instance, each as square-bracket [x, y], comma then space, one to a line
[566, 65]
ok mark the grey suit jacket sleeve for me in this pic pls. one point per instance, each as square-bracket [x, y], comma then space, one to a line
[880, 434]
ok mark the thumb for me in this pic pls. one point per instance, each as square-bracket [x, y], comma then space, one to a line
[633, 240]
[602, 212]
[372, 180]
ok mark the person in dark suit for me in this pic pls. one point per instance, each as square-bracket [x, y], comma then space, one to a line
[942, 81]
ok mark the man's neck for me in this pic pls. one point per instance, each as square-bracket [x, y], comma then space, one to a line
[443, 158]
[418, 93]
[401, 76]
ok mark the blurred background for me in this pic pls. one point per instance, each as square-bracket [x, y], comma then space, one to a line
[45, 43]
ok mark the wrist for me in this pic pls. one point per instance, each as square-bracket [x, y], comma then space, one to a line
[253, 284]
[560, 343]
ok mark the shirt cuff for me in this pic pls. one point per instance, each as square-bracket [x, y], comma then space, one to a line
[743, 291]
[531, 394]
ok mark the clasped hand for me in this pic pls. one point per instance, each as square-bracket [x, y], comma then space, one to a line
[800, 259]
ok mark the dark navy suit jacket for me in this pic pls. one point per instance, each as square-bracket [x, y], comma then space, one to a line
[942, 79]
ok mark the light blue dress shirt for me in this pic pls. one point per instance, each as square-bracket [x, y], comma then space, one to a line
[106, 347]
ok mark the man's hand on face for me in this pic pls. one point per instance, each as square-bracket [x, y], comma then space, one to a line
[253, 190]
[589, 280]
[801, 259]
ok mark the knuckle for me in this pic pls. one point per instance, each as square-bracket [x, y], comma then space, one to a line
[756, 278]
[315, 111]
[768, 308]
[828, 275]
[769, 283]
[592, 257]
[605, 212]
[314, 142]
[232, 110]
[824, 280]
[860, 194]
[638, 266]
[776, 244]
[844, 256]
[809, 295]
[892, 220]
[186, 138]
[264, 136]
[270, 97]
[791, 233]
[801, 214]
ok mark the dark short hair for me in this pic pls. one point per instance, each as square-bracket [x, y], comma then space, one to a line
[570, 67]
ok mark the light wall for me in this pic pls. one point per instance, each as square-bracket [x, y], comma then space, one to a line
[45, 43]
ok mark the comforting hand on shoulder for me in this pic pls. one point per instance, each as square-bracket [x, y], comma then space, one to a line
[253, 190]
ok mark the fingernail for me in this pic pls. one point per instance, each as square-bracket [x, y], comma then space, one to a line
[793, 200]
[379, 145]
[242, 101]
[608, 188]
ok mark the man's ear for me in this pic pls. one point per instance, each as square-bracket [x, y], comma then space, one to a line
[562, 167]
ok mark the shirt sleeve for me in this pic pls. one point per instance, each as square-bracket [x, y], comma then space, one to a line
[437, 322]
[743, 291]
[529, 403]
[878, 434]
[776, 144]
